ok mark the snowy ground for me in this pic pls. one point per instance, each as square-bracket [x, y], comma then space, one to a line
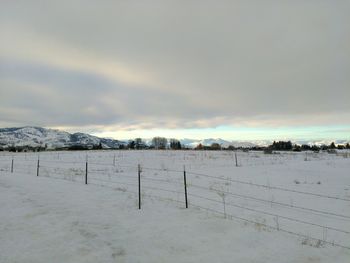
[47, 219]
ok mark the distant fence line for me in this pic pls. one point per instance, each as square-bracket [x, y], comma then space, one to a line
[248, 156]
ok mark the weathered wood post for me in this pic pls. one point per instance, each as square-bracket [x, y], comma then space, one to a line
[37, 167]
[139, 175]
[86, 172]
[12, 165]
[185, 185]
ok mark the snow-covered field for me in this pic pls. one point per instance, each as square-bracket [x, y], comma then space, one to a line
[286, 207]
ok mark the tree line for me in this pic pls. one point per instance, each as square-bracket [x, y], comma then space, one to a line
[162, 143]
[158, 143]
[288, 146]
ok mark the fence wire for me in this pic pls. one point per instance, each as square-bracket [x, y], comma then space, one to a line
[109, 175]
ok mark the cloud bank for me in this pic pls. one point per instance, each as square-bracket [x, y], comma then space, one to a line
[138, 65]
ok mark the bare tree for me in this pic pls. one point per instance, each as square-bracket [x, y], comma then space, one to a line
[159, 142]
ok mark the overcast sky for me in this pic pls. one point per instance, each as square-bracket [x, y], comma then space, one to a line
[233, 69]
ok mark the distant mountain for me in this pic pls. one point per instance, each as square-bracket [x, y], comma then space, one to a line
[321, 142]
[224, 143]
[261, 143]
[52, 139]
[37, 136]
[192, 143]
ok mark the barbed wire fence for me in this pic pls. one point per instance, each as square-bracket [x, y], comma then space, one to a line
[188, 189]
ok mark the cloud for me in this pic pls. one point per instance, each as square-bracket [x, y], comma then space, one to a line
[170, 64]
[54, 96]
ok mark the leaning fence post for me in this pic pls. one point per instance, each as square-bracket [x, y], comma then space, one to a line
[86, 172]
[139, 175]
[37, 168]
[12, 166]
[185, 185]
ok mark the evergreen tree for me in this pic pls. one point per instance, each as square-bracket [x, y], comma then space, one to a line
[175, 144]
[139, 143]
[215, 146]
[131, 144]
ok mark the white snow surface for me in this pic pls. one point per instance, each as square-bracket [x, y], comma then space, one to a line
[55, 217]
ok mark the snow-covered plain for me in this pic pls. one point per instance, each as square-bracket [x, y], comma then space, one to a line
[286, 207]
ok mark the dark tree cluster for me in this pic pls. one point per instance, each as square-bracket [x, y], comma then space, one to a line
[175, 144]
[213, 147]
[78, 148]
[137, 144]
[288, 146]
[25, 148]
[97, 147]
[305, 147]
[281, 146]
[342, 147]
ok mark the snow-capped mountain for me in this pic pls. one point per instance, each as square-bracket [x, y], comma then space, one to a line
[37, 136]
[224, 143]
[321, 142]
[52, 139]
[193, 143]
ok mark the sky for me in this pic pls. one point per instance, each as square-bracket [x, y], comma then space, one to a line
[237, 70]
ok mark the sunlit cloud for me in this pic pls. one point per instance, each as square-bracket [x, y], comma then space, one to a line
[39, 49]
[125, 69]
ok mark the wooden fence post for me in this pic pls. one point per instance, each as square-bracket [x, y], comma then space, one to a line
[185, 185]
[86, 173]
[12, 166]
[37, 168]
[236, 159]
[139, 175]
